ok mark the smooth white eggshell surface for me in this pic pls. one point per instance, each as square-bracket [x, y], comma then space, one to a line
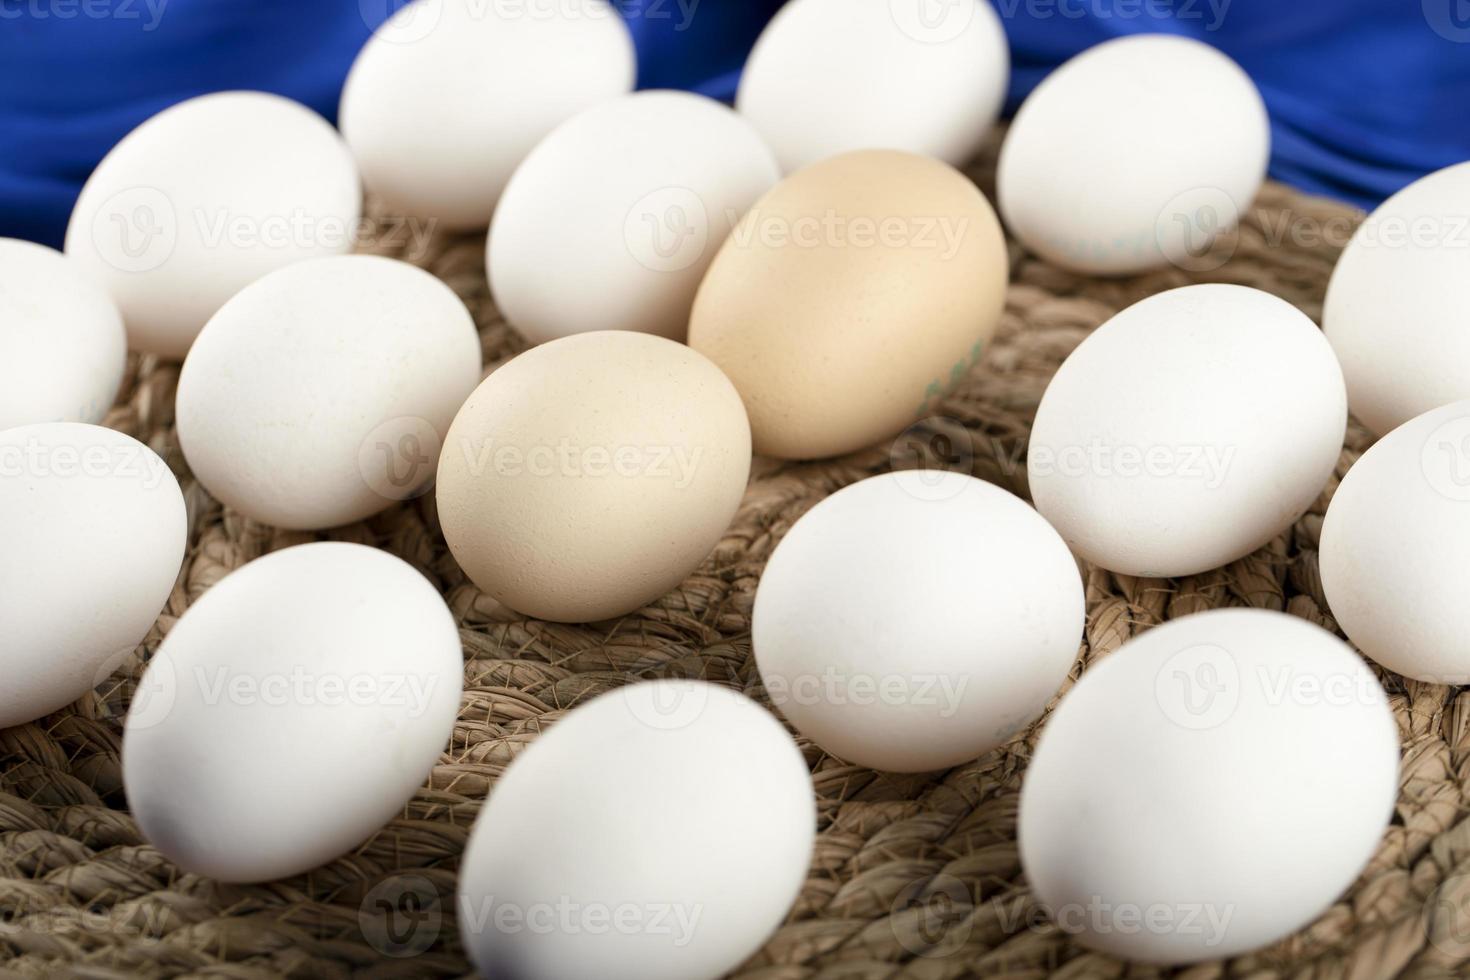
[291, 712]
[1187, 431]
[1394, 546]
[93, 528]
[1133, 154]
[1396, 306]
[62, 343]
[916, 620]
[320, 395]
[830, 76]
[684, 840]
[449, 96]
[204, 198]
[1209, 788]
[611, 221]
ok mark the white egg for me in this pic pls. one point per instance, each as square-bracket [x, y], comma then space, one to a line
[1135, 153]
[93, 529]
[830, 76]
[611, 221]
[917, 620]
[320, 394]
[291, 712]
[1188, 431]
[203, 199]
[1209, 788]
[62, 343]
[450, 95]
[1395, 309]
[1394, 546]
[659, 832]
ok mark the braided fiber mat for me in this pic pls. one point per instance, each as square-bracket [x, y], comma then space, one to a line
[912, 877]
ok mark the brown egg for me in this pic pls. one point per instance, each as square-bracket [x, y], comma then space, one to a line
[589, 476]
[851, 298]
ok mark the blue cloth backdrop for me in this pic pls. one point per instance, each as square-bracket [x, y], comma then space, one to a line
[1365, 95]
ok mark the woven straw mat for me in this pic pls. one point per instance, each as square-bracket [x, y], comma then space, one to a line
[912, 877]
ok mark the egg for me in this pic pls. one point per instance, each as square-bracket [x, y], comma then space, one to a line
[1209, 788]
[917, 620]
[1135, 153]
[611, 220]
[1187, 431]
[291, 712]
[62, 343]
[203, 199]
[1395, 309]
[1393, 547]
[320, 394]
[830, 76]
[687, 843]
[590, 476]
[851, 298]
[94, 530]
[449, 96]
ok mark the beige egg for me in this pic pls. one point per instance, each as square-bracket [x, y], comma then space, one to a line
[591, 475]
[851, 298]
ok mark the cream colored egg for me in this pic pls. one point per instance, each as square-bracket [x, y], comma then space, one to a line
[851, 298]
[591, 475]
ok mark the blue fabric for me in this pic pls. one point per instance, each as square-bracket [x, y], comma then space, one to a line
[1365, 95]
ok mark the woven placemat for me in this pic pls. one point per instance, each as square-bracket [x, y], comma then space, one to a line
[913, 877]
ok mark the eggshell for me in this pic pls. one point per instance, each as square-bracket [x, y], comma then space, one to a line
[830, 76]
[62, 343]
[688, 841]
[449, 96]
[1395, 310]
[850, 298]
[320, 394]
[1187, 431]
[1134, 154]
[612, 219]
[1394, 548]
[203, 199]
[1209, 788]
[93, 529]
[291, 712]
[588, 477]
[916, 620]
